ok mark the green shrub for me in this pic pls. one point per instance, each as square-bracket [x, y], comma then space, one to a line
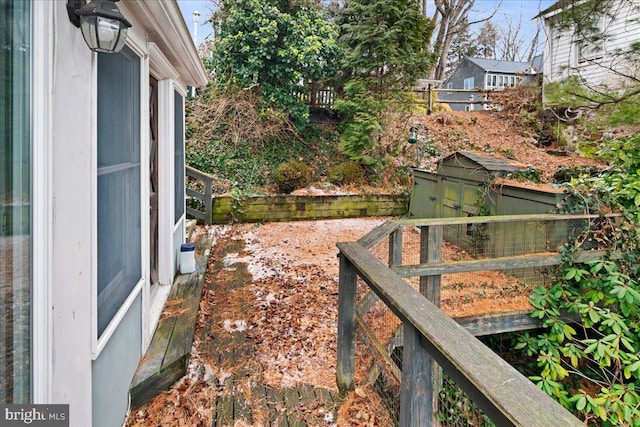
[291, 175]
[346, 173]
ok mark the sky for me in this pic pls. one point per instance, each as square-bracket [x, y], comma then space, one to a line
[516, 10]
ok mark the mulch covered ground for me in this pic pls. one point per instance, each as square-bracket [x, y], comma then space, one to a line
[265, 346]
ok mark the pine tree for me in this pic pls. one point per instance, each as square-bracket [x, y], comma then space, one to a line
[385, 42]
[386, 50]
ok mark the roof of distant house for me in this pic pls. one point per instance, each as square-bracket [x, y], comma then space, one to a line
[556, 7]
[497, 65]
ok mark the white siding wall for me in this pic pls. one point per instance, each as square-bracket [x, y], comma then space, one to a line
[561, 56]
[72, 285]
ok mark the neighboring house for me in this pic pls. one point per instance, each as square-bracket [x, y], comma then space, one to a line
[92, 209]
[569, 52]
[485, 74]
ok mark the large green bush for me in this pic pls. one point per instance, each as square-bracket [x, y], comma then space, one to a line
[272, 46]
[291, 175]
[588, 356]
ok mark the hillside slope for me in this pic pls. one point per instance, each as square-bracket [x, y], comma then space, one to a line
[493, 133]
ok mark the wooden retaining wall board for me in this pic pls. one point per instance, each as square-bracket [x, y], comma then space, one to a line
[293, 208]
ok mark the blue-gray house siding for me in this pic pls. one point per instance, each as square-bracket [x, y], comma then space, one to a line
[486, 74]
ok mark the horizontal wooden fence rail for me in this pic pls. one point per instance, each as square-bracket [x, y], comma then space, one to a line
[426, 334]
[204, 197]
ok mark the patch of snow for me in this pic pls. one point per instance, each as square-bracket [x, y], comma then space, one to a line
[222, 376]
[234, 325]
[234, 258]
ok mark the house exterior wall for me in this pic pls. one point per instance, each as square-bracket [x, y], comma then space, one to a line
[113, 370]
[561, 49]
[481, 76]
[71, 365]
[465, 70]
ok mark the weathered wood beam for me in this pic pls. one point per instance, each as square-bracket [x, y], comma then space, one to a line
[502, 392]
[378, 233]
[419, 222]
[346, 339]
[503, 263]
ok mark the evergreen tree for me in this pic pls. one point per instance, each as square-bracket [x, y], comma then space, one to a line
[386, 49]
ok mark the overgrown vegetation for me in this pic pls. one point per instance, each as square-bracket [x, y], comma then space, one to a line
[588, 356]
[270, 47]
[233, 139]
[386, 49]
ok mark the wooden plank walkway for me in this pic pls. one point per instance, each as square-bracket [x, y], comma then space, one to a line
[238, 393]
[243, 394]
[167, 356]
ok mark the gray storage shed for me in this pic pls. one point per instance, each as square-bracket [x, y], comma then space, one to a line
[464, 181]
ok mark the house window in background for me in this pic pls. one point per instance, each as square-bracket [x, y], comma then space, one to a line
[119, 203]
[468, 83]
[15, 202]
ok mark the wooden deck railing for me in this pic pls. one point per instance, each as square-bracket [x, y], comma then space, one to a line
[205, 198]
[430, 336]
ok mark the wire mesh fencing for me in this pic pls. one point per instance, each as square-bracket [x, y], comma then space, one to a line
[469, 268]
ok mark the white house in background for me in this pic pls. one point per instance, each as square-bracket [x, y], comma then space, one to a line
[92, 207]
[567, 52]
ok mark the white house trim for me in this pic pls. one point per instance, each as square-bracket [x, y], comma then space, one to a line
[165, 162]
[174, 40]
[42, 177]
[159, 65]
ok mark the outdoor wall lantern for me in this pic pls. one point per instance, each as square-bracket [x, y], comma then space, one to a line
[103, 27]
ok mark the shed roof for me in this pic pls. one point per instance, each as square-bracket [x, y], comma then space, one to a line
[487, 161]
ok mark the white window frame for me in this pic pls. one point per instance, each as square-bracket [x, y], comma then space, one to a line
[469, 83]
[41, 232]
[168, 83]
[99, 341]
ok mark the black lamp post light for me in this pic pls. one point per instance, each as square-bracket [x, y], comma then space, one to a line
[103, 27]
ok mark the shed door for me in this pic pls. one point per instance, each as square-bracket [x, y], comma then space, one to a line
[459, 199]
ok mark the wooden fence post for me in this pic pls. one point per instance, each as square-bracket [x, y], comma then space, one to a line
[208, 201]
[395, 248]
[345, 369]
[430, 99]
[431, 251]
[417, 390]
